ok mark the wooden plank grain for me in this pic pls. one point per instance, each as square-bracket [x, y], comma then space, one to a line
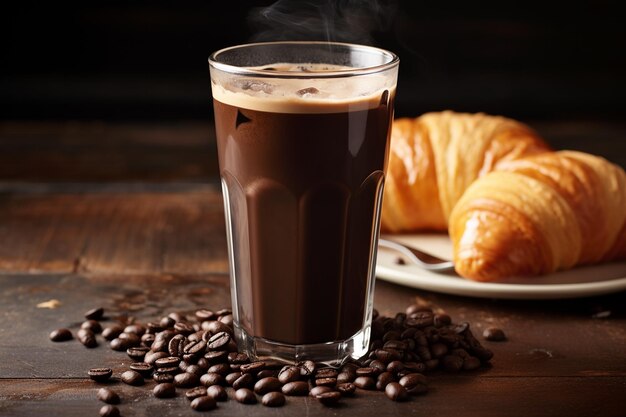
[114, 231]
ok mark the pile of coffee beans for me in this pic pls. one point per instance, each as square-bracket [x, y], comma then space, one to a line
[197, 353]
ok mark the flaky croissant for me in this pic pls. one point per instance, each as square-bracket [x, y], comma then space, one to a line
[538, 215]
[435, 157]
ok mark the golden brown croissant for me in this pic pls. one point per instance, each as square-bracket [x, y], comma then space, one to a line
[435, 157]
[540, 214]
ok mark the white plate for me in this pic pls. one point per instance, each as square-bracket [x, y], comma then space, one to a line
[577, 282]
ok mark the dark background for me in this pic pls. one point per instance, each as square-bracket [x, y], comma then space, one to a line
[147, 60]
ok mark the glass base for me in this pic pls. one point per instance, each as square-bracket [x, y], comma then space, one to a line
[331, 354]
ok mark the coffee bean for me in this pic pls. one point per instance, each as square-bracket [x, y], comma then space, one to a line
[205, 403]
[192, 369]
[438, 350]
[307, 368]
[186, 380]
[326, 373]
[154, 327]
[326, 382]
[295, 388]
[160, 377]
[494, 334]
[414, 383]
[383, 380]
[167, 322]
[167, 362]
[346, 389]
[273, 399]
[218, 393]
[216, 356]
[265, 385]
[61, 335]
[152, 357]
[289, 373]
[252, 367]
[92, 325]
[100, 374]
[365, 382]
[315, 391]
[365, 371]
[441, 320]
[183, 328]
[131, 339]
[396, 392]
[137, 353]
[143, 368]
[345, 376]
[109, 411]
[245, 396]
[471, 363]
[212, 378]
[136, 329]
[244, 381]
[164, 390]
[227, 319]
[87, 338]
[132, 378]
[204, 315]
[148, 339]
[241, 358]
[176, 345]
[452, 363]
[217, 327]
[267, 372]
[95, 314]
[420, 319]
[108, 396]
[196, 392]
[387, 355]
[219, 341]
[329, 398]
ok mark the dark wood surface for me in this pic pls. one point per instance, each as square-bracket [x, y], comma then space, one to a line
[130, 217]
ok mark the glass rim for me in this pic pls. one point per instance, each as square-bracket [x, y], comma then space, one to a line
[394, 60]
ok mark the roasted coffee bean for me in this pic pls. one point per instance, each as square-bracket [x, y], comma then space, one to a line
[205, 403]
[232, 377]
[224, 311]
[289, 374]
[346, 389]
[252, 367]
[365, 372]
[494, 334]
[176, 345]
[267, 372]
[471, 363]
[220, 368]
[137, 352]
[162, 377]
[318, 390]
[227, 319]
[395, 366]
[167, 322]
[329, 398]
[399, 345]
[212, 378]
[384, 379]
[441, 320]
[186, 380]
[131, 339]
[416, 308]
[152, 357]
[109, 411]
[414, 383]
[244, 381]
[326, 382]
[452, 363]
[87, 338]
[108, 396]
[92, 325]
[217, 392]
[183, 328]
[154, 327]
[100, 374]
[438, 350]
[295, 388]
[204, 315]
[365, 382]
[136, 329]
[111, 332]
[147, 340]
[420, 319]
[265, 385]
[216, 327]
[240, 358]
[245, 396]
[195, 348]
[377, 366]
[61, 335]
[387, 355]
[167, 362]
[216, 356]
[396, 392]
[307, 368]
[326, 373]
[414, 367]
[132, 378]
[195, 393]
[192, 369]
[95, 314]
[219, 341]
[143, 368]
[345, 376]
[273, 399]
[391, 335]
[164, 390]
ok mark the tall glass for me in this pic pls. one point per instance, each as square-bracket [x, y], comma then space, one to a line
[303, 134]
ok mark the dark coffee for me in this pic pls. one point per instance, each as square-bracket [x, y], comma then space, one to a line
[303, 189]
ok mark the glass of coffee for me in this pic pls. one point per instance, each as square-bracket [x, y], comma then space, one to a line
[303, 134]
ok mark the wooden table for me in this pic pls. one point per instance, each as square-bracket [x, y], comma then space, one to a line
[129, 217]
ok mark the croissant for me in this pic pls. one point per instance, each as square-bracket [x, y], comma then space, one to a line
[435, 157]
[540, 214]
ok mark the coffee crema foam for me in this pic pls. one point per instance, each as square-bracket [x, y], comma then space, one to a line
[302, 95]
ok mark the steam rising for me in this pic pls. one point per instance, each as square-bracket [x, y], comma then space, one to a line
[323, 20]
